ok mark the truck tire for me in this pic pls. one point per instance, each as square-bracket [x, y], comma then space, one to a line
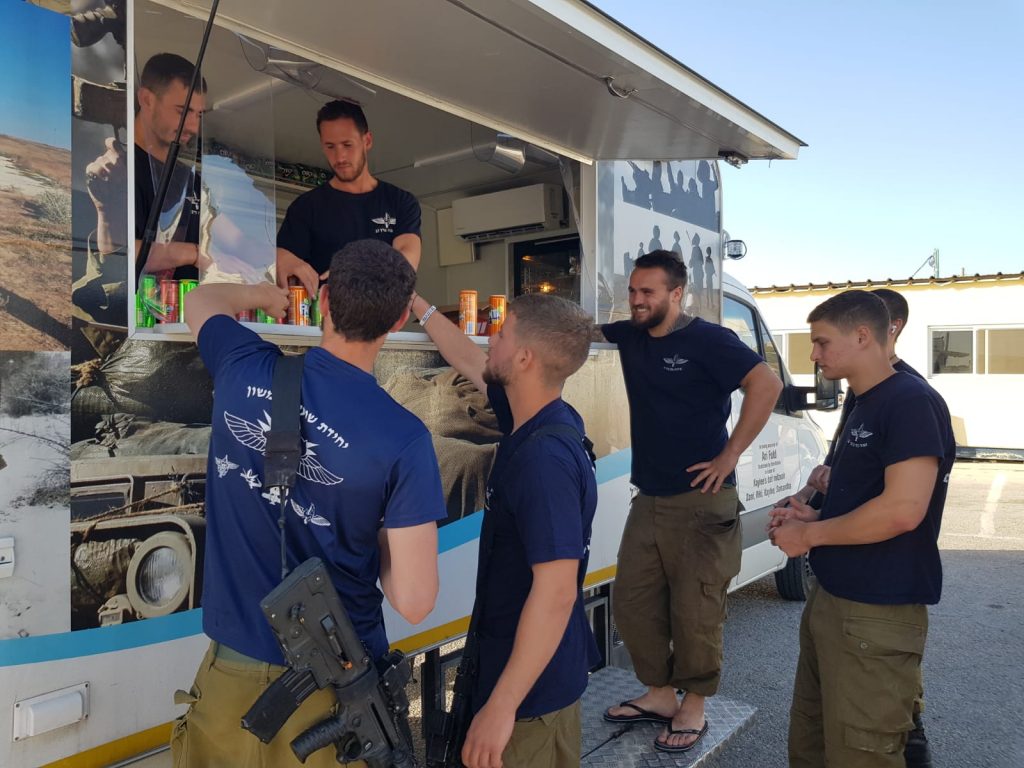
[795, 579]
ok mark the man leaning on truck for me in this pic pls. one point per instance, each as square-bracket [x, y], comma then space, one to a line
[681, 545]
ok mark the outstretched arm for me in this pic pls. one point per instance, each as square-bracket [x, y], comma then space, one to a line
[461, 352]
[229, 299]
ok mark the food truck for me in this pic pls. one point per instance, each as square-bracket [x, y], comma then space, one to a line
[548, 147]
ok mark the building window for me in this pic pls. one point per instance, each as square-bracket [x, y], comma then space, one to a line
[1005, 350]
[953, 351]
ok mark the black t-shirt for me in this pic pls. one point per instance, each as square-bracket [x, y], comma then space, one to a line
[848, 403]
[898, 419]
[541, 507]
[679, 388]
[324, 219]
[179, 221]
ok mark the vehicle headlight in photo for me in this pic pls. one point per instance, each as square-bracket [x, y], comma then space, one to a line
[160, 574]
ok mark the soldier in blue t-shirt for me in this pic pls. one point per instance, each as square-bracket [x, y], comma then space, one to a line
[535, 643]
[873, 546]
[681, 545]
[352, 205]
[366, 500]
[918, 751]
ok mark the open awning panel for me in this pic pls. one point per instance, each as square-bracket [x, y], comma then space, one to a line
[538, 69]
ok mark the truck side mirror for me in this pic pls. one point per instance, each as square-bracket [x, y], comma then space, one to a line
[826, 395]
[826, 391]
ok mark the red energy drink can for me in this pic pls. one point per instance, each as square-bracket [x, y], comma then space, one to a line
[298, 310]
[246, 316]
[169, 301]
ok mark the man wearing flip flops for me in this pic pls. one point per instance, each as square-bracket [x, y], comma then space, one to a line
[681, 545]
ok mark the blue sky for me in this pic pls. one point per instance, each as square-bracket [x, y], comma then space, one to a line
[913, 112]
[35, 59]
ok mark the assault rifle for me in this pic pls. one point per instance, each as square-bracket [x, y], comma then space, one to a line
[446, 731]
[322, 649]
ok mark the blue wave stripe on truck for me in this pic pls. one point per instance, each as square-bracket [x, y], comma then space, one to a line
[89, 642]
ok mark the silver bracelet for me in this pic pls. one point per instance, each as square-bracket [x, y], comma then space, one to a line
[426, 315]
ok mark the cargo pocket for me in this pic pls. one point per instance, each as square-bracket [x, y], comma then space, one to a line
[878, 682]
[179, 733]
[719, 542]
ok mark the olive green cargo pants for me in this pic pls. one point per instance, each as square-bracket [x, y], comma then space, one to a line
[857, 680]
[210, 735]
[553, 740]
[677, 556]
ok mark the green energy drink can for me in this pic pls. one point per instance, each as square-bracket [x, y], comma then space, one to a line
[145, 297]
[263, 317]
[315, 318]
[184, 287]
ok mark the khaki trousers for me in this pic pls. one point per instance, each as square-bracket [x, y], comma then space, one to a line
[677, 556]
[210, 735]
[553, 740]
[857, 680]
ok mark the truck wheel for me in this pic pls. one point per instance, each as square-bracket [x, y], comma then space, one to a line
[795, 579]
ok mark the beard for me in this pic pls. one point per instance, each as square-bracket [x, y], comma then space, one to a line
[353, 172]
[495, 376]
[655, 315]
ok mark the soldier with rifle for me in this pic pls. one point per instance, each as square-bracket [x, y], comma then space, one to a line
[365, 503]
[530, 647]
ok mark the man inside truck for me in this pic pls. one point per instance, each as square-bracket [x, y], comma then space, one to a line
[873, 547]
[366, 499]
[681, 545]
[535, 643]
[353, 205]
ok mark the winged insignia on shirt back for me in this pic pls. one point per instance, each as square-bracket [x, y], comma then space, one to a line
[309, 515]
[255, 436]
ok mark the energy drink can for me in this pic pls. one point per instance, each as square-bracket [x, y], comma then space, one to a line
[145, 298]
[246, 316]
[298, 310]
[263, 317]
[169, 301]
[467, 312]
[184, 287]
[497, 314]
[315, 318]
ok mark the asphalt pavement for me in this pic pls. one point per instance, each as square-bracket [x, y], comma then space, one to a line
[974, 660]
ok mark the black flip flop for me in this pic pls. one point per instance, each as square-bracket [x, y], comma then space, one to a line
[642, 716]
[682, 732]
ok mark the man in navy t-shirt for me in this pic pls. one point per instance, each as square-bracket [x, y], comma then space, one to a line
[366, 500]
[535, 644]
[353, 205]
[681, 545]
[873, 546]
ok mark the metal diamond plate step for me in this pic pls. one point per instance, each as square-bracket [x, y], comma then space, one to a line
[610, 745]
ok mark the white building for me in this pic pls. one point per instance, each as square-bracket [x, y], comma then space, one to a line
[965, 334]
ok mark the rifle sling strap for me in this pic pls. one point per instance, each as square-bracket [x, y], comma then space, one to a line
[283, 451]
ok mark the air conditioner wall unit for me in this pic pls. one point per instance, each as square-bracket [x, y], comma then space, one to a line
[512, 211]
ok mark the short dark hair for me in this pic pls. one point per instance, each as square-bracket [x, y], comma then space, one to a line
[850, 309]
[369, 287]
[338, 109]
[669, 263]
[162, 69]
[896, 304]
[557, 330]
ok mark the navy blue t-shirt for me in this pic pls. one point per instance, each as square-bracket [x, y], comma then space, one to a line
[679, 388]
[541, 507]
[368, 464]
[898, 419]
[319, 222]
[850, 400]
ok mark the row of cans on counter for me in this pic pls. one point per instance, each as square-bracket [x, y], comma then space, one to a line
[163, 301]
[485, 322]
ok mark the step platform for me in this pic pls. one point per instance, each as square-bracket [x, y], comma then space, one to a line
[614, 745]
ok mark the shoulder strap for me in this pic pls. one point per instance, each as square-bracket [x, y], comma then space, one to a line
[284, 442]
